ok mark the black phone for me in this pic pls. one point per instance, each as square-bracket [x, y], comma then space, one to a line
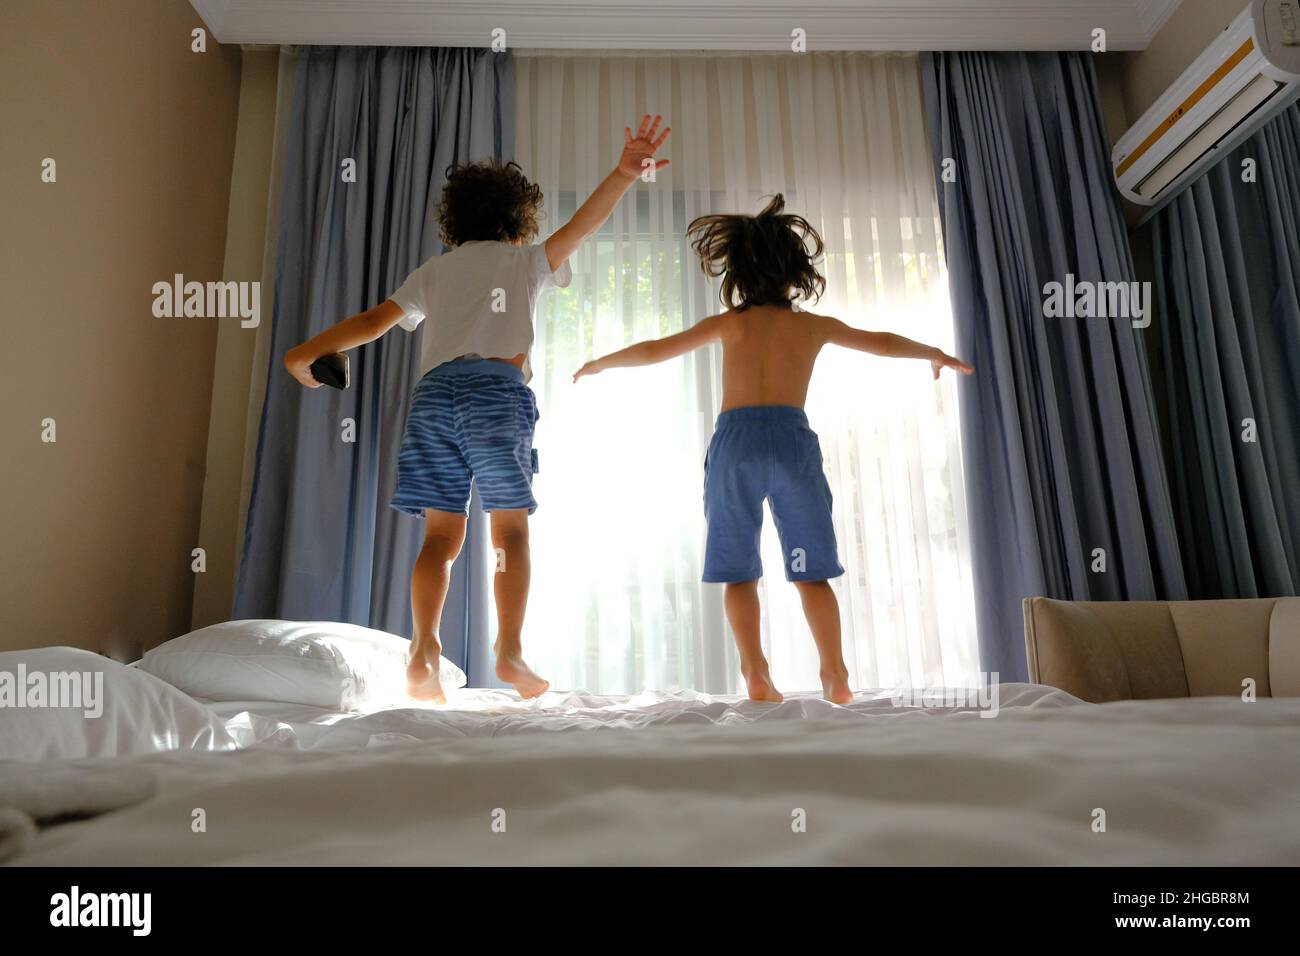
[331, 370]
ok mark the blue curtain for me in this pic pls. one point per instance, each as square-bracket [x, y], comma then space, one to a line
[1227, 261]
[321, 542]
[1060, 442]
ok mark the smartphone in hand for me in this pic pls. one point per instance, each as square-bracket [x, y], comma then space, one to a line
[331, 370]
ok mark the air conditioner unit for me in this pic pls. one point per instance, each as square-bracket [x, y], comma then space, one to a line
[1244, 78]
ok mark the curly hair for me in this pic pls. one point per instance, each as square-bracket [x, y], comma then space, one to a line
[488, 201]
[768, 259]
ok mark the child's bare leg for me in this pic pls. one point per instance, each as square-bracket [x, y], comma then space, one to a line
[513, 573]
[444, 532]
[741, 602]
[823, 613]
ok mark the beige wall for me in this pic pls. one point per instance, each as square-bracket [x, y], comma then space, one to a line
[1111, 76]
[97, 528]
[242, 352]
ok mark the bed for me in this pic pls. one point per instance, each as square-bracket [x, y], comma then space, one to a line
[1029, 775]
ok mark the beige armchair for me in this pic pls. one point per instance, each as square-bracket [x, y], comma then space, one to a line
[1132, 650]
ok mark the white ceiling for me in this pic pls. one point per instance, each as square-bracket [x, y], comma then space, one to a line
[692, 24]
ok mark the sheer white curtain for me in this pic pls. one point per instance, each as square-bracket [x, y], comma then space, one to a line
[617, 605]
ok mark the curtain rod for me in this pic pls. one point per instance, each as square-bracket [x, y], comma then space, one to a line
[612, 54]
[532, 51]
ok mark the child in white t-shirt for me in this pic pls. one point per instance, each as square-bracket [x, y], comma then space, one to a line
[472, 413]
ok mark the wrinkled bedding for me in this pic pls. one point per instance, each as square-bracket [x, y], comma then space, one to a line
[687, 778]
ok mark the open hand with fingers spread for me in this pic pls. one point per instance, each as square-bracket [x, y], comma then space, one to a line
[639, 150]
[637, 158]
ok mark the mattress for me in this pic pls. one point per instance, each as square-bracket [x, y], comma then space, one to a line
[693, 779]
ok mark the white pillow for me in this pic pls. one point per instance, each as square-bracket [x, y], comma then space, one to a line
[322, 663]
[63, 702]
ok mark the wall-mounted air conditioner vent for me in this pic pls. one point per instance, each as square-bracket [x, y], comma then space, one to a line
[1249, 73]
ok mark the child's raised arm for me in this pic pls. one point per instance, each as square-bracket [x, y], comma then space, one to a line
[657, 350]
[353, 331]
[891, 346]
[636, 151]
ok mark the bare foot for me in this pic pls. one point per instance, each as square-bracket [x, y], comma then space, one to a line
[835, 687]
[759, 684]
[422, 679]
[514, 671]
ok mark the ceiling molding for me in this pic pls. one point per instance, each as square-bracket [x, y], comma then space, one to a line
[213, 14]
[683, 25]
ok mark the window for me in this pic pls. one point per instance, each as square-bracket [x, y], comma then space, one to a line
[617, 605]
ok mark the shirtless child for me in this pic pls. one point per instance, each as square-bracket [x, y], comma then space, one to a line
[762, 447]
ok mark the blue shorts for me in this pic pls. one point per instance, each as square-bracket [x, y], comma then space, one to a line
[767, 452]
[470, 419]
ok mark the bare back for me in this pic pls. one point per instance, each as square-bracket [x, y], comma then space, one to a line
[768, 354]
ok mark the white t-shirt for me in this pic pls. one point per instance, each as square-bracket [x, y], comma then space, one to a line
[481, 297]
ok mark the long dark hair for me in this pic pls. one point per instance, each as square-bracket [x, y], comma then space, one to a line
[768, 259]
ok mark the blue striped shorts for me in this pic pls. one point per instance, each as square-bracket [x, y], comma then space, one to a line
[470, 420]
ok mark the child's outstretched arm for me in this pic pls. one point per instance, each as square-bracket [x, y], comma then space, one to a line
[657, 350]
[353, 331]
[636, 151]
[891, 346]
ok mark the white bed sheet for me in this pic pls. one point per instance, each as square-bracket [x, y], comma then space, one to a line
[692, 779]
[480, 712]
